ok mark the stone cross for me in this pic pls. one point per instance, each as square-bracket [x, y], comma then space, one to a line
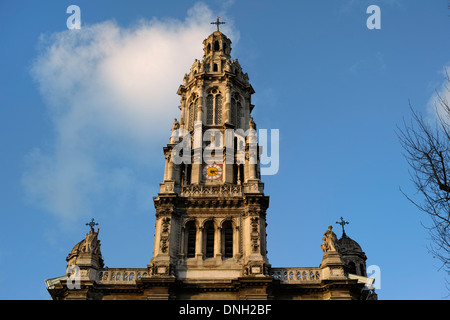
[342, 223]
[92, 223]
[218, 22]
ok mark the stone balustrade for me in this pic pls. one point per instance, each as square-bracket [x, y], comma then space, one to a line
[213, 190]
[121, 275]
[285, 275]
[296, 275]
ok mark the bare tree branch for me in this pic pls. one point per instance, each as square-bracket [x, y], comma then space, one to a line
[426, 148]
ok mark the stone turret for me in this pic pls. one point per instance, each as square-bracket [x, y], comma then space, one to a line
[86, 256]
[352, 255]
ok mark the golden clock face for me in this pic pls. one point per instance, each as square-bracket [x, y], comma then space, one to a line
[212, 171]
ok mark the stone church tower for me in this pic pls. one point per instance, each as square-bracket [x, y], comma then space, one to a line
[210, 231]
[211, 209]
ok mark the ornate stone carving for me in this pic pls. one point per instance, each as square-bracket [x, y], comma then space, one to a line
[214, 190]
[165, 230]
[254, 223]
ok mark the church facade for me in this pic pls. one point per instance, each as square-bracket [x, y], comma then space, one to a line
[210, 231]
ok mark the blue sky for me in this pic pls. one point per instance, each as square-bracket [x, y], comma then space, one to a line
[85, 114]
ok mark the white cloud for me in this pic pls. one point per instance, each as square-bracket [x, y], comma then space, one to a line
[111, 94]
[441, 96]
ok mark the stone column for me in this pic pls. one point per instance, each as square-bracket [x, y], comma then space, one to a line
[196, 173]
[252, 154]
[199, 243]
[170, 169]
[226, 112]
[181, 252]
[183, 112]
[218, 243]
[166, 168]
[228, 156]
[200, 105]
[237, 241]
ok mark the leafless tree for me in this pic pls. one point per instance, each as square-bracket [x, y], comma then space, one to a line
[426, 146]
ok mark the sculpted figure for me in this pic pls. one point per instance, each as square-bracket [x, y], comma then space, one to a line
[329, 241]
[89, 245]
[252, 124]
[176, 125]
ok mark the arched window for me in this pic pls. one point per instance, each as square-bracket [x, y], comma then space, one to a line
[215, 67]
[216, 46]
[192, 112]
[209, 239]
[227, 239]
[214, 107]
[191, 116]
[236, 106]
[191, 235]
[218, 109]
[209, 109]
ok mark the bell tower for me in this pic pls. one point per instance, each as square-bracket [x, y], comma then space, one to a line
[211, 208]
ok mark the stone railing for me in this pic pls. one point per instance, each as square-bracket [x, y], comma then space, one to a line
[297, 275]
[121, 275]
[285, 275]
[213, 190]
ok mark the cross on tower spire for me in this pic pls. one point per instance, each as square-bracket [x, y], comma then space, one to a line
[92, 223]
[342, 223]
[218, 22]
